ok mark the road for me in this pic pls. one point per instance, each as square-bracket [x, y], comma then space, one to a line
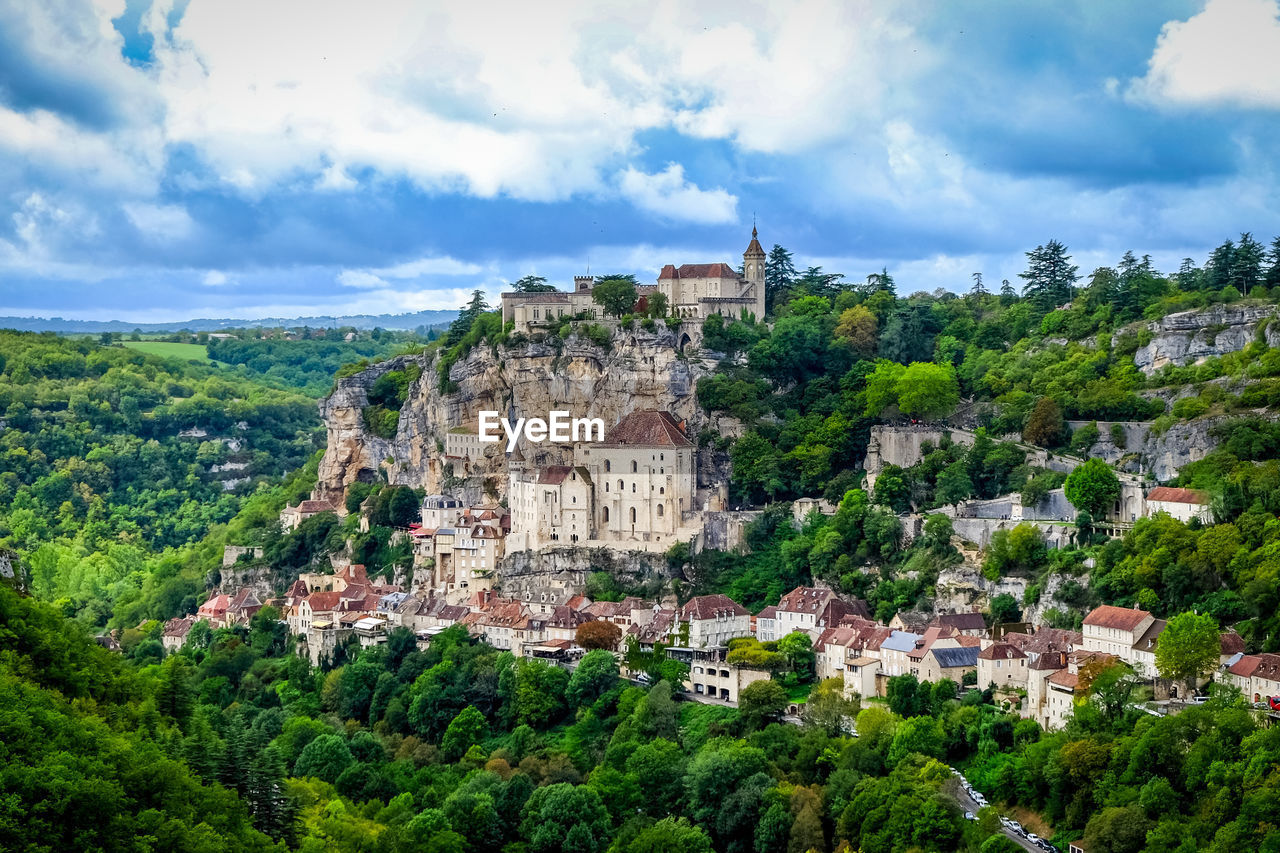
[967, 803]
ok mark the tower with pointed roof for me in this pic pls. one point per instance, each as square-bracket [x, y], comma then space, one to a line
[753, 263]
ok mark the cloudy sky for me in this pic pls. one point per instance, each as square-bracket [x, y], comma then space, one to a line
[162, 159]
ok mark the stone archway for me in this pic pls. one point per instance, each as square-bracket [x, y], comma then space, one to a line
[685, 340]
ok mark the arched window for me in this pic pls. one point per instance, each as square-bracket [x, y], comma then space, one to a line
[606, 485]
[659, 510]
[620, 486]
[662, 490]
[633, 515]
[605, 517]
[633, 487]
[607, 466]
[635, 466]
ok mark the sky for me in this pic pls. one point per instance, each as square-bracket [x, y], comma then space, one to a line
[171, 159]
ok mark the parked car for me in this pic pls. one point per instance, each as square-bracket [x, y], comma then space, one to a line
[1017, 827]
[1004, 821]
[970, 816]
[1033, 838]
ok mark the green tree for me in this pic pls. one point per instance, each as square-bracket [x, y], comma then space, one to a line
[616, 296]
[954, 485]
[532, 284]
[761, 701]
[779, 275]
[464, 731]
[756, 466]
[669, 835]
[1189, 648]
[798, 648]
[928, 390]
[324, 758]
[1046, 426]
[564, 817]
[595, 675]
[1050, 276]
[1092, 487]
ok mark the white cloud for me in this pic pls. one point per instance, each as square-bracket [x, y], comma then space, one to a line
[669, 195]
[1228, 54]
[214, 278]
[377, 277]
[160, 222]
[540, 108]
[335, 178]
[429, 266]
[360, 278]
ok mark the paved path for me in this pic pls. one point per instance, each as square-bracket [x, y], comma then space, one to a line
[957, 792]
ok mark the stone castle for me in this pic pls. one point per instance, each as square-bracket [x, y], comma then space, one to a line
[693, 293]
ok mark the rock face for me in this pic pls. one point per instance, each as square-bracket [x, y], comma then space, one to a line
[1190, 337]
[639, 370]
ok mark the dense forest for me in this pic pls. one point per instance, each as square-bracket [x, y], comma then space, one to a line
[115, 466]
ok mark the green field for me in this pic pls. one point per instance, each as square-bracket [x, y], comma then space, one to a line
[165, 349]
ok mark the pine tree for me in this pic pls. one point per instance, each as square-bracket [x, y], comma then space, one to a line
[1218, 267]
[779, 274]
[1190, 277]
[175, 697]
[1246, 263]
[1273, 271]
[879, 282]
[1050, 276]
[978, 290]
[1008, 295]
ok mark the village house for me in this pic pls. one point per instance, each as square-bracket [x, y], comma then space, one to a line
[831, 650]
[710, 673]
[948, 662]
[1002, 665]
[965, 624]
[292, 516]
[175, 631]
[1115, 630]
[767, 625]
[1257, 676]
[712, 621]
[812, 610]
[1182, 504]
[215, 610]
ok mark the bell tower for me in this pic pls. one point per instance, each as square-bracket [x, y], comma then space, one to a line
[753, 263]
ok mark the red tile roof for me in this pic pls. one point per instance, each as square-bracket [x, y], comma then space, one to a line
[1001, 651]
[1169, 494]
[1063, 678]
[1122, 618]
[323, 602]
[962, 621]
[553, 475]
[313, 507]
[1232, 643]
[647, 428]
[711, 606]
[698, 271]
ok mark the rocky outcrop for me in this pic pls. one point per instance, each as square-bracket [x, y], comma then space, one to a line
[526, 573]
[638, 370]
[1191, 337]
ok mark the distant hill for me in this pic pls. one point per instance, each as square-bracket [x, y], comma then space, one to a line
[358, 321]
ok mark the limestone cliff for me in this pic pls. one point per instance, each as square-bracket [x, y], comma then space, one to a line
[1190, 337]
[637, 370]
